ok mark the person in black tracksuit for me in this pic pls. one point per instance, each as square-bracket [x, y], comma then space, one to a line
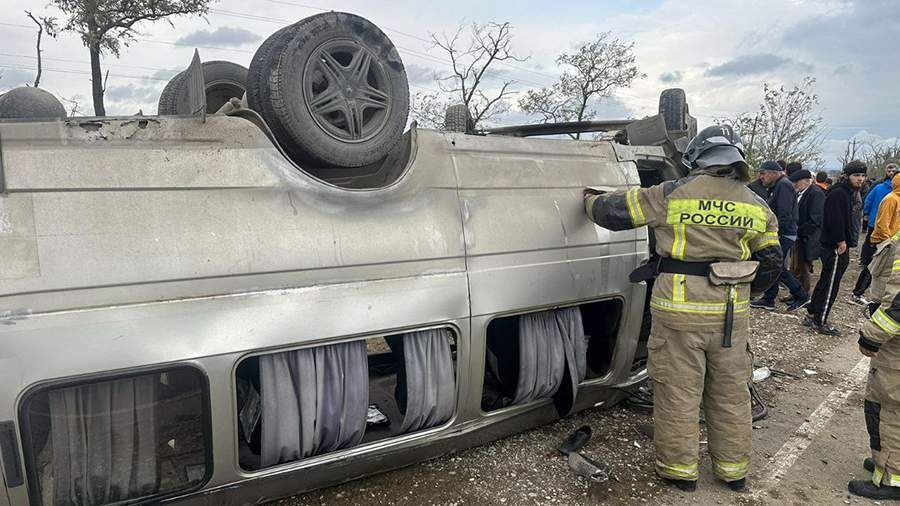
[836, 240]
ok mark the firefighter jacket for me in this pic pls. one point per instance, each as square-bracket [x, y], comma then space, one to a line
[880, 333]
[704, 217]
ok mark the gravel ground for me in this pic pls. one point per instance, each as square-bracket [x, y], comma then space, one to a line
[526, 468]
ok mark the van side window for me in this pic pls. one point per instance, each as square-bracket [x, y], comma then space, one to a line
[527, 354]
[126, 438]
[311, 401]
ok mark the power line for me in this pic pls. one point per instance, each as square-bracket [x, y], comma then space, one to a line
[69, 60]
[80, 72]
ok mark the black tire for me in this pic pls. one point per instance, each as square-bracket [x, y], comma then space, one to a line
[349, 69]
[32, 103]
[168, 99]
[458, 119]
[673, 107]
[264, 60]
[223, 80]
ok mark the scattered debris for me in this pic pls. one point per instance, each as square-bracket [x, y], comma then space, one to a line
[810, 372]
[576, 440]
[761, 374]
[590, 469]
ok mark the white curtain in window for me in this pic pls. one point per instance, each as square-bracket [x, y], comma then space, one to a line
[314, 401]
[104, 439]
[430, 379]
[549, 343]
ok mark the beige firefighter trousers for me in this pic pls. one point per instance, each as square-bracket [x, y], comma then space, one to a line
[882, 408]
[688, 366]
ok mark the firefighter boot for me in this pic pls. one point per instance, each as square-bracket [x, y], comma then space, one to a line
[865, 488]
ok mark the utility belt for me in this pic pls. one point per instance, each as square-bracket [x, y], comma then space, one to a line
[729, 274]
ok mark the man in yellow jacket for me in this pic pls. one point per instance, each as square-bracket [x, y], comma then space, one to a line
[887, 220]
[707, 226]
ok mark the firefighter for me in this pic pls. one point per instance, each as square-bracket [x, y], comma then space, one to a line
[708, 226]
[879, 339]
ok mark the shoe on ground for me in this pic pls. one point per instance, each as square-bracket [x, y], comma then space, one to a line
[859, 300]
[796, 304]
[869, 464]
[808, 321]
[865, 488]
[826, 329]
[762, 303]
[683, 485]
[737, 485]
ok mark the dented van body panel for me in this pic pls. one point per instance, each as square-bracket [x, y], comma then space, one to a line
[133, 243]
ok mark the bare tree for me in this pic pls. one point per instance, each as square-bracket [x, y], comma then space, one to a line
[591, 73]
[787, 126]
[72, 104]
[472, 53]
[42, 22]
[851, 152]
[875, 153]
[108, 25]
[428, 109]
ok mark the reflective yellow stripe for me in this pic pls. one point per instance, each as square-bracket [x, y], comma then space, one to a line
[634, 208]
[879, 478]
[896, 266]
[745, 241]
[768, 239]
[885, 322]
[716, 213]
[730, 470]
[678, 244]
[697, 307]
[679, 471]
[678, 281]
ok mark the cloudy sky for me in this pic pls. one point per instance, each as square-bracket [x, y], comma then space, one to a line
[721, 52]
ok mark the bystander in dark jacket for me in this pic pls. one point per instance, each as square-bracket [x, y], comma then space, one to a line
[810, 210]
[759, 188]
[836, 240]
[783, 203]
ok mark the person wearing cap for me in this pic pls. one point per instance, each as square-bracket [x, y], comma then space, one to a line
[783, 202]
[716, 243]
[810, 210]
[836, 240]
[870, 212]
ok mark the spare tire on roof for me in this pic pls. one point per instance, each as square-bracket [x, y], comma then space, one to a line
[333, 90]
[26, 102]
[223, 80]
[458, 119]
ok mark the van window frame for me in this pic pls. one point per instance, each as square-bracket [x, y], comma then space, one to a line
[364, 448]
[623, 317]
[24, 419]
